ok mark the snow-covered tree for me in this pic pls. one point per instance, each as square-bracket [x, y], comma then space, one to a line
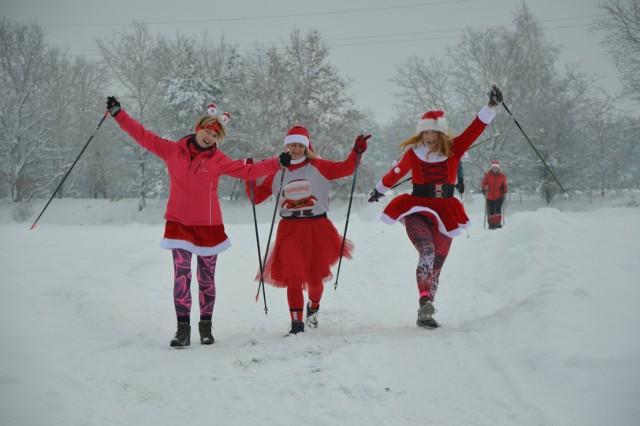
[550, 105]
[23, 55]
[621, 27]
[136, 62]
[298, 85]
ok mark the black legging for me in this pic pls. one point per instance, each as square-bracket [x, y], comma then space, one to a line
[494, 206]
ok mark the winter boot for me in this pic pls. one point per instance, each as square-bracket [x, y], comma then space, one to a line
[425, 315]
[296, 327]
[312, 317]
[206, 338]
[183, 335]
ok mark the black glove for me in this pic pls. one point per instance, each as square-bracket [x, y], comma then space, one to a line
[248, 160]
[460, 186]
[113, 106]
[375, 196]
[495, 96]
[284, 159]
[361, 143]
[484, 193]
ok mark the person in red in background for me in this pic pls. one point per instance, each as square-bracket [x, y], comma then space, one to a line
[431, 214]
[194, 220]
[307, 243]
[494, 188]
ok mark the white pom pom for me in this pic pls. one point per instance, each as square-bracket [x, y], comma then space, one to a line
[225, 117]
[211, 110]
[397, 170]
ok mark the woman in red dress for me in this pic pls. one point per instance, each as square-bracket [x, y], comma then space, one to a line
[431, 214]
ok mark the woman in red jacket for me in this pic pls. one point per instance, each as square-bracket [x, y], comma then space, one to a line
[431, 214]
[307, 243]
[194, 219]
[494, 188]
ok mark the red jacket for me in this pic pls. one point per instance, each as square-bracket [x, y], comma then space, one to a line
[495, 184]
[193, 195]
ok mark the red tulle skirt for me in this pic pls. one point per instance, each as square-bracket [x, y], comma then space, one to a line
[304, 252]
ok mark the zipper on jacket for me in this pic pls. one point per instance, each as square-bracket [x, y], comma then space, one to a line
[210, 201]
[198, 166]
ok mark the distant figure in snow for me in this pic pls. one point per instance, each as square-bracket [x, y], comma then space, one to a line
[194, 219]
[494, 189]
[431, 214]
[307, 243]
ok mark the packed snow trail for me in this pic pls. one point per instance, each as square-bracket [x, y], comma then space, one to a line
[539, 327]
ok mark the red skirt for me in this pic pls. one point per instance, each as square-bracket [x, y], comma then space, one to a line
[304, 252]
[446, 213]
[200, 240]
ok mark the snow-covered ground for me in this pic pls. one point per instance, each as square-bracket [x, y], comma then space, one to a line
[540, 324]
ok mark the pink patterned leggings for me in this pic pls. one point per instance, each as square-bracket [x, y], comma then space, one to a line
[182, 283]
[433, 248]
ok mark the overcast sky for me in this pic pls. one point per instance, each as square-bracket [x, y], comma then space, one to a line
[368, 38]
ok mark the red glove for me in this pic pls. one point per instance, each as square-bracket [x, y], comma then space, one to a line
[361, 143]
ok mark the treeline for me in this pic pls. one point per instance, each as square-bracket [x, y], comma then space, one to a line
[52, 101]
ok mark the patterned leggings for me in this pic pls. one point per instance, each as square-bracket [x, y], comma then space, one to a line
[182, 283]
[433, 248]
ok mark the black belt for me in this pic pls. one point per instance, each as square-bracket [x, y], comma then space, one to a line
[431, 190]
[305, 217]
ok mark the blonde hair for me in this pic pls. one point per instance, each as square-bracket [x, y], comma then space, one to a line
[444, 143]
[310, 154]
[207, 120]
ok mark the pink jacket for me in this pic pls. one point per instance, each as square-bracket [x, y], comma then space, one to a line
[193, 195]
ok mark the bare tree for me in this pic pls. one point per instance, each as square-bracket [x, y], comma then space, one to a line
[622, 36]
[23, 117]
[136, 62]
[550, 105]
[297, 85]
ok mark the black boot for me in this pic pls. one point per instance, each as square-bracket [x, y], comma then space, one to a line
[425, 314]
[296, 327]
[312, 317]
[206, 338]
[183, 335]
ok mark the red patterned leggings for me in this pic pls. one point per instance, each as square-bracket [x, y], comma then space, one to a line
[433, 248]
[182, 283]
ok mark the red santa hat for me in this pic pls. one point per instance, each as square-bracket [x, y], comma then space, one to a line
[298, 134]
[495, 163]
[433, 120]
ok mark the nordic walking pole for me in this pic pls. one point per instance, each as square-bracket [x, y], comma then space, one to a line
[534, 149]
[255, 223]
[70, 168]
[504, 210]
[400, 183]
[344, 235]
[484, 226]
[266, 252]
